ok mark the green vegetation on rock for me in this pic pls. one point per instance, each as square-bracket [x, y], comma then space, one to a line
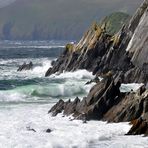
[69, 47]
[115, 21]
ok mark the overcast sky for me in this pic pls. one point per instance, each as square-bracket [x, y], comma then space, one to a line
[124, 5]
[4, 3]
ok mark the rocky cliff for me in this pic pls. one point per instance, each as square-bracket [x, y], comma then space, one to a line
[100, 52]
[117, 58]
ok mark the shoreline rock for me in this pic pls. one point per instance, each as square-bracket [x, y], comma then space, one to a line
[101, 97]
[118, 60]
[25, 66]
[106, 102]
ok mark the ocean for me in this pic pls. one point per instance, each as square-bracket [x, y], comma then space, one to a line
[26, 97]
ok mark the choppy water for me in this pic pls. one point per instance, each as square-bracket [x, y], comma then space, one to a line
[26, 97]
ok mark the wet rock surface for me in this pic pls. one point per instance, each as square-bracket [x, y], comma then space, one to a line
[25, 66]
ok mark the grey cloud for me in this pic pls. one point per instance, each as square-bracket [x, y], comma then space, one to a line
[4, 3]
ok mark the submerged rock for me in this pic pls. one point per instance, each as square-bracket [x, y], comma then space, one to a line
[48, 130]
[31, 129]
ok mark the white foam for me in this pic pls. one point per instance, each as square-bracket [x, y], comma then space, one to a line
[65, 133]
[31, 46]
[70, 84]
[66, 89]
[130, 87]
[43, 68]
[11, 96]
[12, 73]
[38, 71]
[79, 74]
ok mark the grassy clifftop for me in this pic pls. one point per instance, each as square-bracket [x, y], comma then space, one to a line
[115, 21]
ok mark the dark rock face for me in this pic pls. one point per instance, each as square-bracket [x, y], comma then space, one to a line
[130, 107]
[57, 108]
[70, 107]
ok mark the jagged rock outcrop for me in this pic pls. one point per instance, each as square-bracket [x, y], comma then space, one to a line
[137, 47]
[25, 66]
[130, 107]
[101, 97]
[100, 52]
[106, 102]
[119, 58]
